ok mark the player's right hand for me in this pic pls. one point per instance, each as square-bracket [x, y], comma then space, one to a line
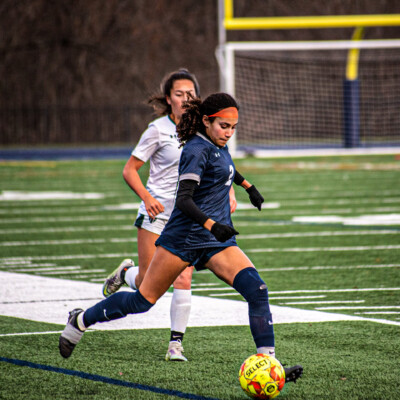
[223, 232]
[153, 206]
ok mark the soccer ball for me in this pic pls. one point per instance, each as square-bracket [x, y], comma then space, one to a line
[262, 376]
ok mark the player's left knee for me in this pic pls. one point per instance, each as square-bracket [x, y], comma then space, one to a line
[250, 285]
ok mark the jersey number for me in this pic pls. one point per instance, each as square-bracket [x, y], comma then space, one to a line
[231, 172]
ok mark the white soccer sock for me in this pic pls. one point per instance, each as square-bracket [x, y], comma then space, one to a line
[80, 323]
[266, 350]
[180, 309]
[130, 276]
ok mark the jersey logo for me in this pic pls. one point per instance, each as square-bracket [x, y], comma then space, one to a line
[217, 155]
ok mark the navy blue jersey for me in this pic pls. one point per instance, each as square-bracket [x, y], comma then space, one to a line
[212, 167]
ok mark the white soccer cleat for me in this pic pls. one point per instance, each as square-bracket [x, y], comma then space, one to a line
[175, 350]
[114, 281]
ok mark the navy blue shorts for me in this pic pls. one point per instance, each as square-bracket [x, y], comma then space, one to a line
[196, 257]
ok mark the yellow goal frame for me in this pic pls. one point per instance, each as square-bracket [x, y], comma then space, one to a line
[306, 22]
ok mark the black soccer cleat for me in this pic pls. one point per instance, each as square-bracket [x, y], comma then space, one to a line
[71, 334]
[293, 373]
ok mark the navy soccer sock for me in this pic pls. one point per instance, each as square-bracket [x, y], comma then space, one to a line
[117, 306]
[249, 284]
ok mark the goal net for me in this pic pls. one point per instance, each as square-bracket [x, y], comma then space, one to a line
[293, 95]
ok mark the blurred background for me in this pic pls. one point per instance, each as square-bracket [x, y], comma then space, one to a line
[80, 71]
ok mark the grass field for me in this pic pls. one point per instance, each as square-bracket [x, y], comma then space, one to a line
[327, 240]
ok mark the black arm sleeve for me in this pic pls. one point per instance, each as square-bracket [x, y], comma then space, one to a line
[238, 179]
[184, 201]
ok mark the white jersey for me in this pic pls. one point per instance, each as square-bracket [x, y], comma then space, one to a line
[160, 144]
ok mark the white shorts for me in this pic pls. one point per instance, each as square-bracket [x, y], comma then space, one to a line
[149, 224]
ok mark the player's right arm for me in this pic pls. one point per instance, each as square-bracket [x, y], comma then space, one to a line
[132, 178]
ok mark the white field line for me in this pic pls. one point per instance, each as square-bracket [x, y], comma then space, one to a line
[324, 302]
[68, 241]
[241, 237]
[266, 250]
[69, 210]
[64, 219]
[331, 193]
[81, 271]
[340, 201]
[112, 227]
[35, 269]
[205, 284]
[31, 333]
[135, 206]
[328, 267]
[378, 312]
[317, 234]
[306, 249]
[321, 166]
[358, 308]
[327, 194]
[294, 211]
[29, 266]
[66, 257]
[309, 291]
[297, 297]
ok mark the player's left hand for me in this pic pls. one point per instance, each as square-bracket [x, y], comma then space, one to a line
[255, 197]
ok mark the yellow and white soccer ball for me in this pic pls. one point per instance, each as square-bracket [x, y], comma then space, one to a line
[262, 376]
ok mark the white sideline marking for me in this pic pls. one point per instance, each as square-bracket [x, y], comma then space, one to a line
[49, 300]
[19, 195]
[384, 219]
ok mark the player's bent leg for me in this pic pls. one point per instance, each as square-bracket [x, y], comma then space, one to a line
[246, 280]
[249, 284]
[114, 307]
[235, 268]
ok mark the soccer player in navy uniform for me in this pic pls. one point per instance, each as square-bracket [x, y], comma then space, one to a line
[199, 232]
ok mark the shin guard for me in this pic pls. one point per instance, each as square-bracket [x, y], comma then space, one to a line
[249, 284]
[117, 306]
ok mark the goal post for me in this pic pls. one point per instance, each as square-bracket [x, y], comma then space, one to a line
[314, 94]
[292, 97]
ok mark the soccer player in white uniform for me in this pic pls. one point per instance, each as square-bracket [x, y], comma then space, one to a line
[160, 145]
